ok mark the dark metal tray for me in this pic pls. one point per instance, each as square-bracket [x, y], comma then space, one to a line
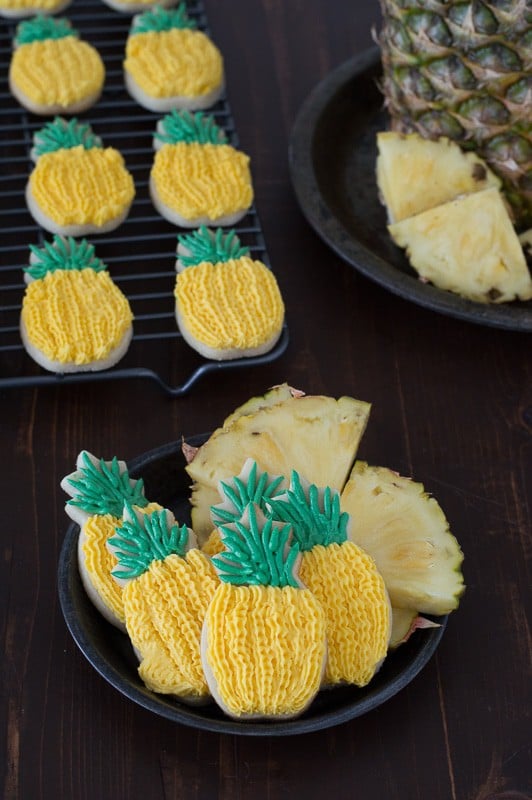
[140, 254]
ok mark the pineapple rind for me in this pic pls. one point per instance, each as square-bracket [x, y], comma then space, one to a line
[273, 396]
[406, 532]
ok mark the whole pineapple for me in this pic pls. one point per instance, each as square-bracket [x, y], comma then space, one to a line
[461, 69]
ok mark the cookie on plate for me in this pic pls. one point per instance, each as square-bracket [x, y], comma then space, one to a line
[228, 305]
[197, 177]
[77, 186]
[53, 71]
[170, 64]
[73, 318]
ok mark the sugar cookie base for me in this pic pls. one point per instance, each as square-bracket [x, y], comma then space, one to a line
[228, 220]
[56, 108]
[70, 230]
[69, 367]
[179, 102]
[134, 8]
[228, 354]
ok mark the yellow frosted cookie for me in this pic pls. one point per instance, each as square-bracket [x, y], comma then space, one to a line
[227, 304]
[169, 64]
[197, 178]
[18, 9]
[137, 6]
[77, 186]
[73, 318]
[52, 70]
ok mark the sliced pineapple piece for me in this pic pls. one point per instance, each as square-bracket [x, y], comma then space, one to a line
[406, 532]
[415, 174]
[273, 396]
[468, 246]
[315, 435]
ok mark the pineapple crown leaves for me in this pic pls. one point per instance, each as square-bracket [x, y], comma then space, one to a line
[162, 19]
[189, 127]
[313, 513]
[258, 551]
[252, 485]
[216, 246]
[102, 487]
[62, 254]
[144, 538]
[41, 27]
[60, 134]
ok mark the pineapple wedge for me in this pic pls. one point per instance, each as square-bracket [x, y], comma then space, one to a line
[315, 435]
[468, 246]
[407, 534]
[415, 174]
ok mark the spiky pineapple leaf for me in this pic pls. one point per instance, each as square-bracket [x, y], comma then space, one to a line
[103, 487]
[162, 19]
[189, 127]
[216, 247]
[60, 134]
[62, 254]
[258, 551]
[253, 485]
[145, 538]
[313, 513]
[40, 28]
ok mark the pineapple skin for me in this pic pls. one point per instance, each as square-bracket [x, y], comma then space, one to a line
[462, 70]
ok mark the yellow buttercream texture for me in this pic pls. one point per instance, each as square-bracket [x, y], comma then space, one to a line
[57, 71]
[265, 648]
[165, 608]
[178, 62]
[231, 305]
[99, 561]
[75, 316]
[82, 187]
[213, 544]
[347, 584]
[45, 5]
[197, 180]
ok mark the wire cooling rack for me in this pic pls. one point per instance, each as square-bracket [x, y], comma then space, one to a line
[140, 254]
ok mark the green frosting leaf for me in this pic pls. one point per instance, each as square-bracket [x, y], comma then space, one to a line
[63, 254]
[313, 513]
[251, 486]
[61, 134]
[216, 247]
[258, 551]
[162, 19]
[103, 487]
[144, 538]
[39, 28]
[186, 126]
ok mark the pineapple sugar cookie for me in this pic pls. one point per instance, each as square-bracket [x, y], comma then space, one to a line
[77, 186]
[73, 318]
[53, 70]
[197, 178]
[228, 305]
[170, 64]
[18, 9]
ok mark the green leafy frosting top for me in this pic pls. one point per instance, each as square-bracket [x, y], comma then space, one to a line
[144, 538]
[61, 134]
[103, 487]
[313, 513]
[251, 486]
[216, 247]
[62, 254]
[162, 19]
[39, 28]
[258, 551]
[189, 127]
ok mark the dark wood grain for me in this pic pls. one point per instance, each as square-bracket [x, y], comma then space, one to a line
[452, 406]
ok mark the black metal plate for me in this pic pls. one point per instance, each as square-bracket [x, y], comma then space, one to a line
[110, 653]
[332, 161]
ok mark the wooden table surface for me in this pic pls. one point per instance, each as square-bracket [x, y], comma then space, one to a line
[451, 406]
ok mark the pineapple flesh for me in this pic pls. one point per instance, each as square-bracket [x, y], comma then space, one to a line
[461, 69]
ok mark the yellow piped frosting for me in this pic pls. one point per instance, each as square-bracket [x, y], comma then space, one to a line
[75, 316]
[57, 71]
[82, 187]
[44, 5]
[99, 561]
[213, 544]
[265, 647]
[347, 584]
[178, 62]
[236, 304]
[197, 180]
[165, 608]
